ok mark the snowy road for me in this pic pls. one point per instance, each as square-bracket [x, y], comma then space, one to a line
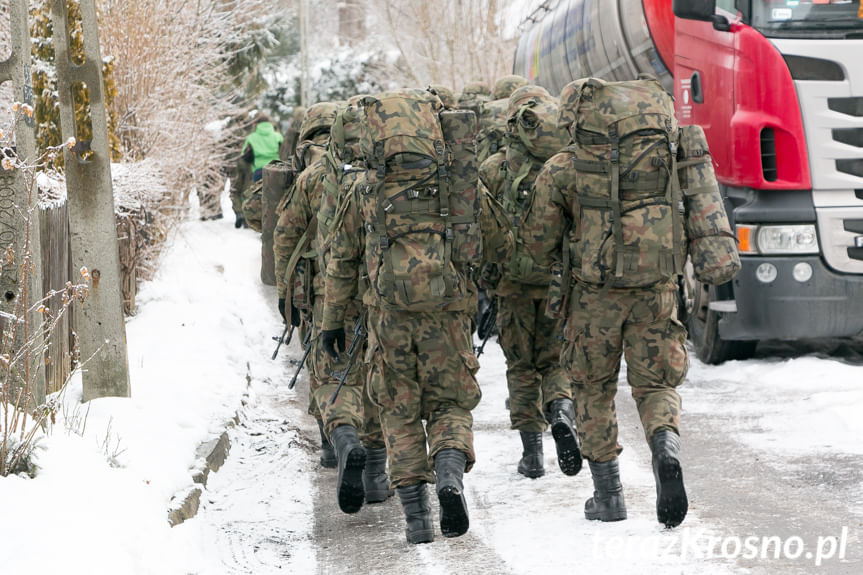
[772, 465]
[738, 489]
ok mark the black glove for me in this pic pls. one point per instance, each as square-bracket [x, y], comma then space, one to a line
[332, 337]
[295, 316]
[240, 221]
[282, 308]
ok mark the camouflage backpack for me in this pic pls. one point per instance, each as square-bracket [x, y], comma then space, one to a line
[278, 177]
[533, 136]
[712, 245]
[344, 165]
[629, 231]
[419, 201]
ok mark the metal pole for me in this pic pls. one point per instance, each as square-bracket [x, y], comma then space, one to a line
[304, 53]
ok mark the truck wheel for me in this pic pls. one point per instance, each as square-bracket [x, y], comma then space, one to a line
[703, 325]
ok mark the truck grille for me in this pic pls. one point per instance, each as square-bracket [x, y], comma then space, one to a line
[768, 154]
[847, 106]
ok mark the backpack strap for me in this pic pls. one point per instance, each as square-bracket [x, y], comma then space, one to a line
[616, 224]
[300, 250]
[676, 202]
[445, 188]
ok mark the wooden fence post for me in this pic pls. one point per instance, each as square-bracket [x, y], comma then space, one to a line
[18, 206]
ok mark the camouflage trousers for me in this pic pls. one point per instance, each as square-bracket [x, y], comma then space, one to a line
[531, 344]
[352, 405]
[422, 367]
[641, 325]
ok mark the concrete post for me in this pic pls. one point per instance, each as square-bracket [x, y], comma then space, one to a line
[92, 224]
[19, 202]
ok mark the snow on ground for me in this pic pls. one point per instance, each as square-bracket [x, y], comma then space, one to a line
[785, 405]
[189, 346]
[110, 468]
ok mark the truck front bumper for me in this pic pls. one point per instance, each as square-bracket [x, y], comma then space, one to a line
[827, 305]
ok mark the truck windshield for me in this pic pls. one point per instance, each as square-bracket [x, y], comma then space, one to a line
[773, 17]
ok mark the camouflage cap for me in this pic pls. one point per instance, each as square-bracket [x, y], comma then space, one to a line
[507, 85]
[319, 117]
[446, 95]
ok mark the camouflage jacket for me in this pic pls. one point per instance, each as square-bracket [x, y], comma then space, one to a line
[347, 248]
[492, 177]
[299, 208]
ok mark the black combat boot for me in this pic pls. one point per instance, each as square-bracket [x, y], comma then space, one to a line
[671, 502]
[449, 467]
[328, 454]
[352, 460]
[417, 508]
[531, 463]
[565, 437]
[375, 480]
[607, 503]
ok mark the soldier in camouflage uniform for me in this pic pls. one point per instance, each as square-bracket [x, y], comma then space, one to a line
[473, 96]
[343, 162]
[530, 340]
[240, 175]
[422, 365]
[605, 322]
[290, 233]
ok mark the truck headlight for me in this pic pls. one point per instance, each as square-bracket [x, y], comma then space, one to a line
[777, 240]
[791, 239]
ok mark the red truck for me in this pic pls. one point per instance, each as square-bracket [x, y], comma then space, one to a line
[777, 86]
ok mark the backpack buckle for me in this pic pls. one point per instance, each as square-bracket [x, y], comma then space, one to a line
[449, 234]
[614, 157]
[383, 242]
[444, 212]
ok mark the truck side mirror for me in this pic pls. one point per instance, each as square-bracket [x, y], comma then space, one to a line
[694, 9]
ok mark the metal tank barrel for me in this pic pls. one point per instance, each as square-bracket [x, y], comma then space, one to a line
[608, 39]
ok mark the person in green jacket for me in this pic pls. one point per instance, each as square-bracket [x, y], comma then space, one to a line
[261, 146]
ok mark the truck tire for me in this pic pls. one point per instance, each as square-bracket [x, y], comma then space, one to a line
[703, 323]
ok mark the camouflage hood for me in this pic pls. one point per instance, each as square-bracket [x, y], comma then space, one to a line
[314, 133]
[532, 120]
[318, 118]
